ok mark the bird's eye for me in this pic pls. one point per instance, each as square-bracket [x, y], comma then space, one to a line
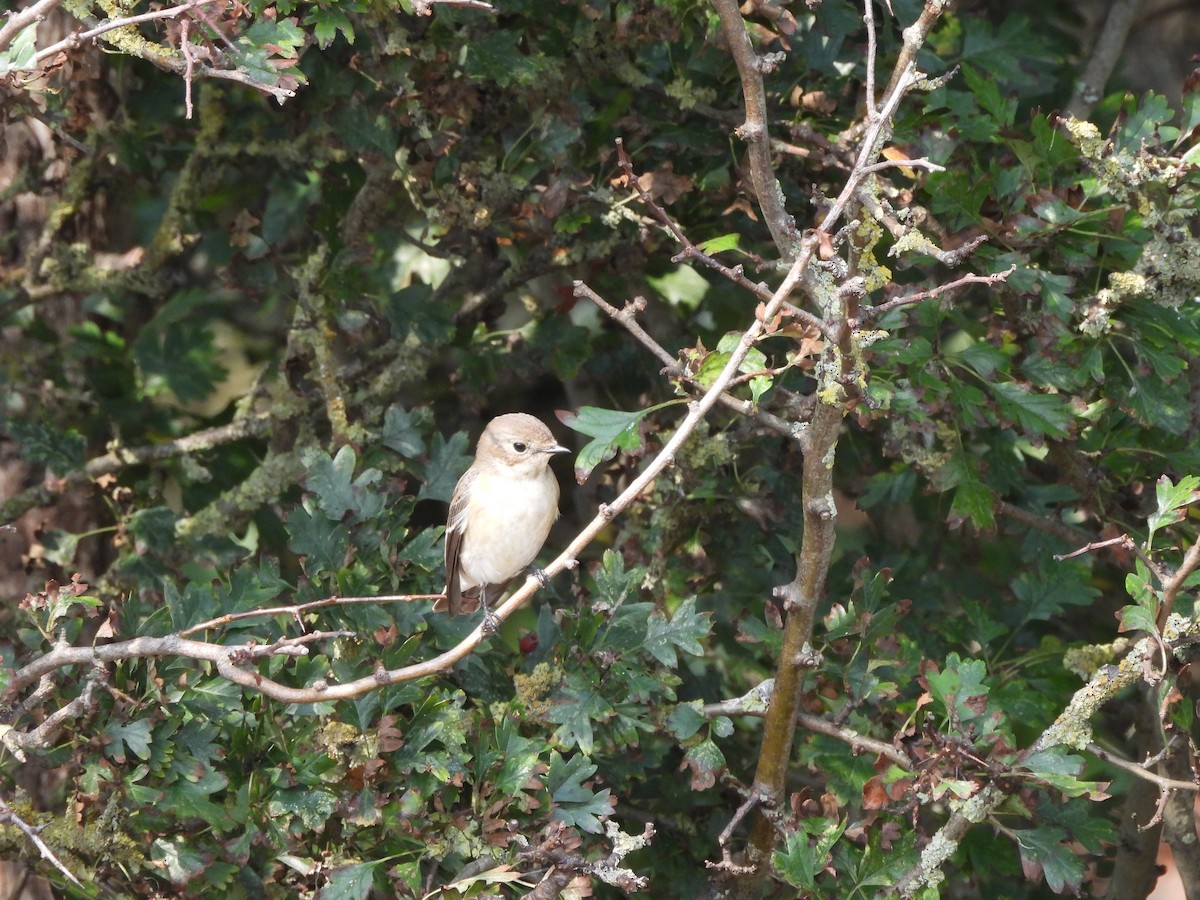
[519, 447]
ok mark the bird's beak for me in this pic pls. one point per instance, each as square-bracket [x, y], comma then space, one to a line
[556, 448]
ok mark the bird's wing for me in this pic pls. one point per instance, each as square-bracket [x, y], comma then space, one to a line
[456, 527]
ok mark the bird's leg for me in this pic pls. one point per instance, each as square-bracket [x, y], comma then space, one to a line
[490, 624]
[541, 576]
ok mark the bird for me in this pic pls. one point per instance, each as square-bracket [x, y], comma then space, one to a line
[500, 512]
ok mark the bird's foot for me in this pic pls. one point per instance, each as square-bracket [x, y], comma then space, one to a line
[490, 624]
[541, 576]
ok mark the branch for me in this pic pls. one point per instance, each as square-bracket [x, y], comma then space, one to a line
[874, 312]
[425, 7]
[1164, 783]
[755, 703]
[1090, 87]
[691, 251]
[44, 735]
[74, 39]
[118, 458]
[626, 317]
[1171, 589]
[297, 610]
[8, 816]
[754, 131]
[18, 21]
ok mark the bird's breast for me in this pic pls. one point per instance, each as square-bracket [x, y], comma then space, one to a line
[506, 523]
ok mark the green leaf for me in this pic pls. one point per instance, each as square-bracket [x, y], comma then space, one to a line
[319, 539]
[684, 631]
[705, 761]
[613, 583]
[1044, 852]
[960, 687]
[180, 356]
[1037, 414]
[519, 757]
[353, 882]
[195, 604]
[338, 492]
[179, 859]
[192, 799]
[495, 57]
[402, 431]
[327, 21]
[683, 287]
[574, 802]
[61, 603]
[132, 736]
[21, 51]
[718, 244]
[448, 460]
[61, 450]
[1137, 618]
[611, 429]
[1045, 592]
[577, 708]
[1059, 768]
[251, 587]
[806, 851]
[686, 719]
[153, 529]
[1171, 500]
[973, 500]
[716, 361]
[311, 806]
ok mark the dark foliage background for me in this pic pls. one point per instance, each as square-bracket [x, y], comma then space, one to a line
[246, 354]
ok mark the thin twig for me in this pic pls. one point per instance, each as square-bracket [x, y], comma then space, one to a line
[298, 610]
[626, 317]
[1124, 540]
[7, 815]
[185, 46]
[425, 7]
[18, 21]
[1164, 783]
[1090, 87]
[874, 312]
[75, 39]
[1174, 584]
[691, 251]
[754, 131]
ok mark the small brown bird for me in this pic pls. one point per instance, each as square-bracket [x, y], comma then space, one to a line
[501, 511]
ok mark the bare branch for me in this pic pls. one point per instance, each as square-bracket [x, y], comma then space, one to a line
[874, 312]
[425, 7]
[300, 609]
[691, 251]
[1124, 541]
[1090, 87]
[44, 734]
[73, 40]
[755, 703]
[1171, 589]
[754, 131]
[10, 817]
[626, 317]
[1164, 783]
[18, 21]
